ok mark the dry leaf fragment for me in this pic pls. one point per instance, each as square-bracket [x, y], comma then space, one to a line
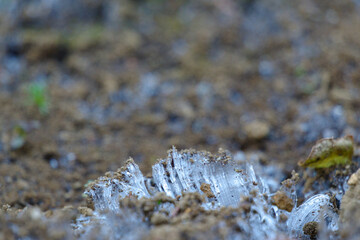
[328, 152]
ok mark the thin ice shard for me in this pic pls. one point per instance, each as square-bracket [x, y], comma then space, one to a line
[318, 208]
[187, 171]
[106, 191]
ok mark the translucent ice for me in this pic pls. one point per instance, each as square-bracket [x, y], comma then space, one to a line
[221, 182]
[106, 191]
[186, 171]
[124, 225]
[318, 208]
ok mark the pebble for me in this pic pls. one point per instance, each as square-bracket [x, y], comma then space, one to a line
[353, 179]
[257, 130]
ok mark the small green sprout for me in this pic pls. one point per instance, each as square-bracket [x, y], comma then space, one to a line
[37, 92]
[159, 202]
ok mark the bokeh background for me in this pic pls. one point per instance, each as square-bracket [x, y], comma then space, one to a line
[86, 84]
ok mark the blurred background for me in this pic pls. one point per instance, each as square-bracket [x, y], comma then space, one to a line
[86, 84]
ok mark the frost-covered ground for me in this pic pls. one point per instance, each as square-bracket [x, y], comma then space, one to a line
[219, 184]
[263, 79]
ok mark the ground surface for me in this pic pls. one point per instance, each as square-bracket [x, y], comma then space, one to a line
[132, 78]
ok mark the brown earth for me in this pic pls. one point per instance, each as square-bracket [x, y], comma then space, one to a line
[270, 76]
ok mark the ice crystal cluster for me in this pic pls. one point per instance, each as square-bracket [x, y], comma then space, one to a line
[221, 182]
[181, 172]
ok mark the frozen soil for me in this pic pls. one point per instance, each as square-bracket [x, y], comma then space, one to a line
[188, 219]
[132, 78]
